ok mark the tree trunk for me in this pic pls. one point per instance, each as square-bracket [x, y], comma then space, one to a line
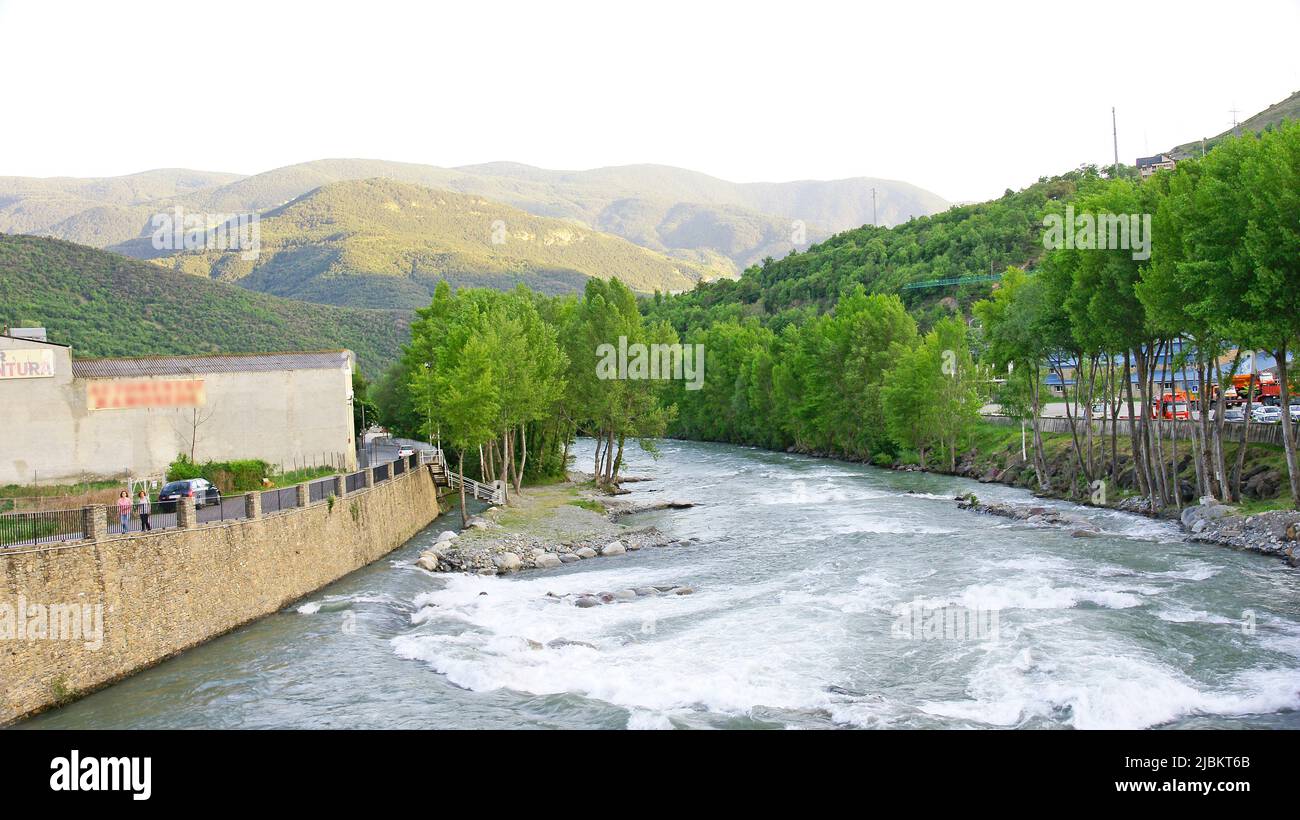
[618, 460]
[1245, 441]
[1136, 428]
[609, 458]
[464, 515]
[523, 460]
[1040, 462]
[1288, 429]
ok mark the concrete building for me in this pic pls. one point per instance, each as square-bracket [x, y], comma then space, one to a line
[1160, 162]
[67, 419]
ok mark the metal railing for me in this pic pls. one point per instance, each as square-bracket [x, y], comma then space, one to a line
[493, 494]
[46, 527]
[285, 498]
[229, 509]
[160, 516]
[52, 526]
[320, 490]
[354, 481]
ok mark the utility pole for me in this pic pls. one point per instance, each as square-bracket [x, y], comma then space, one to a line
[1114, 134]
[1236, 127]
[874, 223]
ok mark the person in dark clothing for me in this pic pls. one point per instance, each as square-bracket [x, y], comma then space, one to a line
[142, 503]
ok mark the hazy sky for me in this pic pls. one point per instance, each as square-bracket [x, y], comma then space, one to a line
[965, 99]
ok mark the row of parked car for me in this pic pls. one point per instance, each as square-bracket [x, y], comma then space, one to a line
[1261, 413]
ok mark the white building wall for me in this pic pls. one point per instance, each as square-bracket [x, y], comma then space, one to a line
[49, 434]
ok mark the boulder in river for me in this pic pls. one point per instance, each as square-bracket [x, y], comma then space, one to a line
[547, 560]
[614, 548]
[444, 536]
[585, 552]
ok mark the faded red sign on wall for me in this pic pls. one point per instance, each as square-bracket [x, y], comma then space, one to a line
[120, 395]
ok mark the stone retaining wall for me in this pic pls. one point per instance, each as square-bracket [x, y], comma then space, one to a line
[161, 593]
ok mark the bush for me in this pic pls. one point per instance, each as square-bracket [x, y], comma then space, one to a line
[228, 476]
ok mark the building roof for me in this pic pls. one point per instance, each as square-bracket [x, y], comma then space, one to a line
[25, 334]
[197, 365]
[1156, 160]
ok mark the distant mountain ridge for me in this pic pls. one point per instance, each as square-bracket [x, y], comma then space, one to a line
[691, 216]
[379, 243]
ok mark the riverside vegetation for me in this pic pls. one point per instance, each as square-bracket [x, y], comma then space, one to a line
[819, 363]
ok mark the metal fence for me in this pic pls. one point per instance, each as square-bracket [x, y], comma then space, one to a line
[1232, 431]
[47, 527]
[354, 481]
[320, 490]
[160, 516]
[230, 509]
[285, 498]
[52, 526]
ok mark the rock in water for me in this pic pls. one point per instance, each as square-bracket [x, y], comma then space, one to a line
[429, 563]
[585, 552]
[614, 548]
[586, 602]
[547, 561]
[447, 535]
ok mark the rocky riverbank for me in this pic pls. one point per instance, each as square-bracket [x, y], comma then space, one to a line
[1269, 533]
[1275, 533]
[543, 528]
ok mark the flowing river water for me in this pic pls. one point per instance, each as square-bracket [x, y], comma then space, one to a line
[803, 571]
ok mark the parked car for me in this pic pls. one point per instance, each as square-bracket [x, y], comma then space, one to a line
[1295, 412]
[1236, 414]
[405, 452]
[200, 489]
[1267, 414]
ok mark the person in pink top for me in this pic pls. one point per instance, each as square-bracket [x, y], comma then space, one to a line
[124, 510]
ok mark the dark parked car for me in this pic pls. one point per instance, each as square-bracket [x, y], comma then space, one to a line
[200, 489]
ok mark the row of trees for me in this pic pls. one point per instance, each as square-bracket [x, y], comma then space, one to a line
[506, 380]
[1222, 279]
[503, 375]
[859, 381]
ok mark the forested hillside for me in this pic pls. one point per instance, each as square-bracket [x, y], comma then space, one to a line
[969, 240]
[106, 305]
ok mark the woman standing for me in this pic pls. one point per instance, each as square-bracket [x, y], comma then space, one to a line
[124, 510]
[142, 507]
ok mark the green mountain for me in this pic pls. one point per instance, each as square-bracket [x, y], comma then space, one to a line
[965, 242]
[1274, 115]
[385, 244]
[686, 215]
[106, 305]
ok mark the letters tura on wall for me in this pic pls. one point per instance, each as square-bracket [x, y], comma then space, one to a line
[26, 364]
[121, 395]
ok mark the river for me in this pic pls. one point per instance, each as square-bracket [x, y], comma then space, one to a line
[810, 577]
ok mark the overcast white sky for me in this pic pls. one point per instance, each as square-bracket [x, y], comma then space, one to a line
[965, 99]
